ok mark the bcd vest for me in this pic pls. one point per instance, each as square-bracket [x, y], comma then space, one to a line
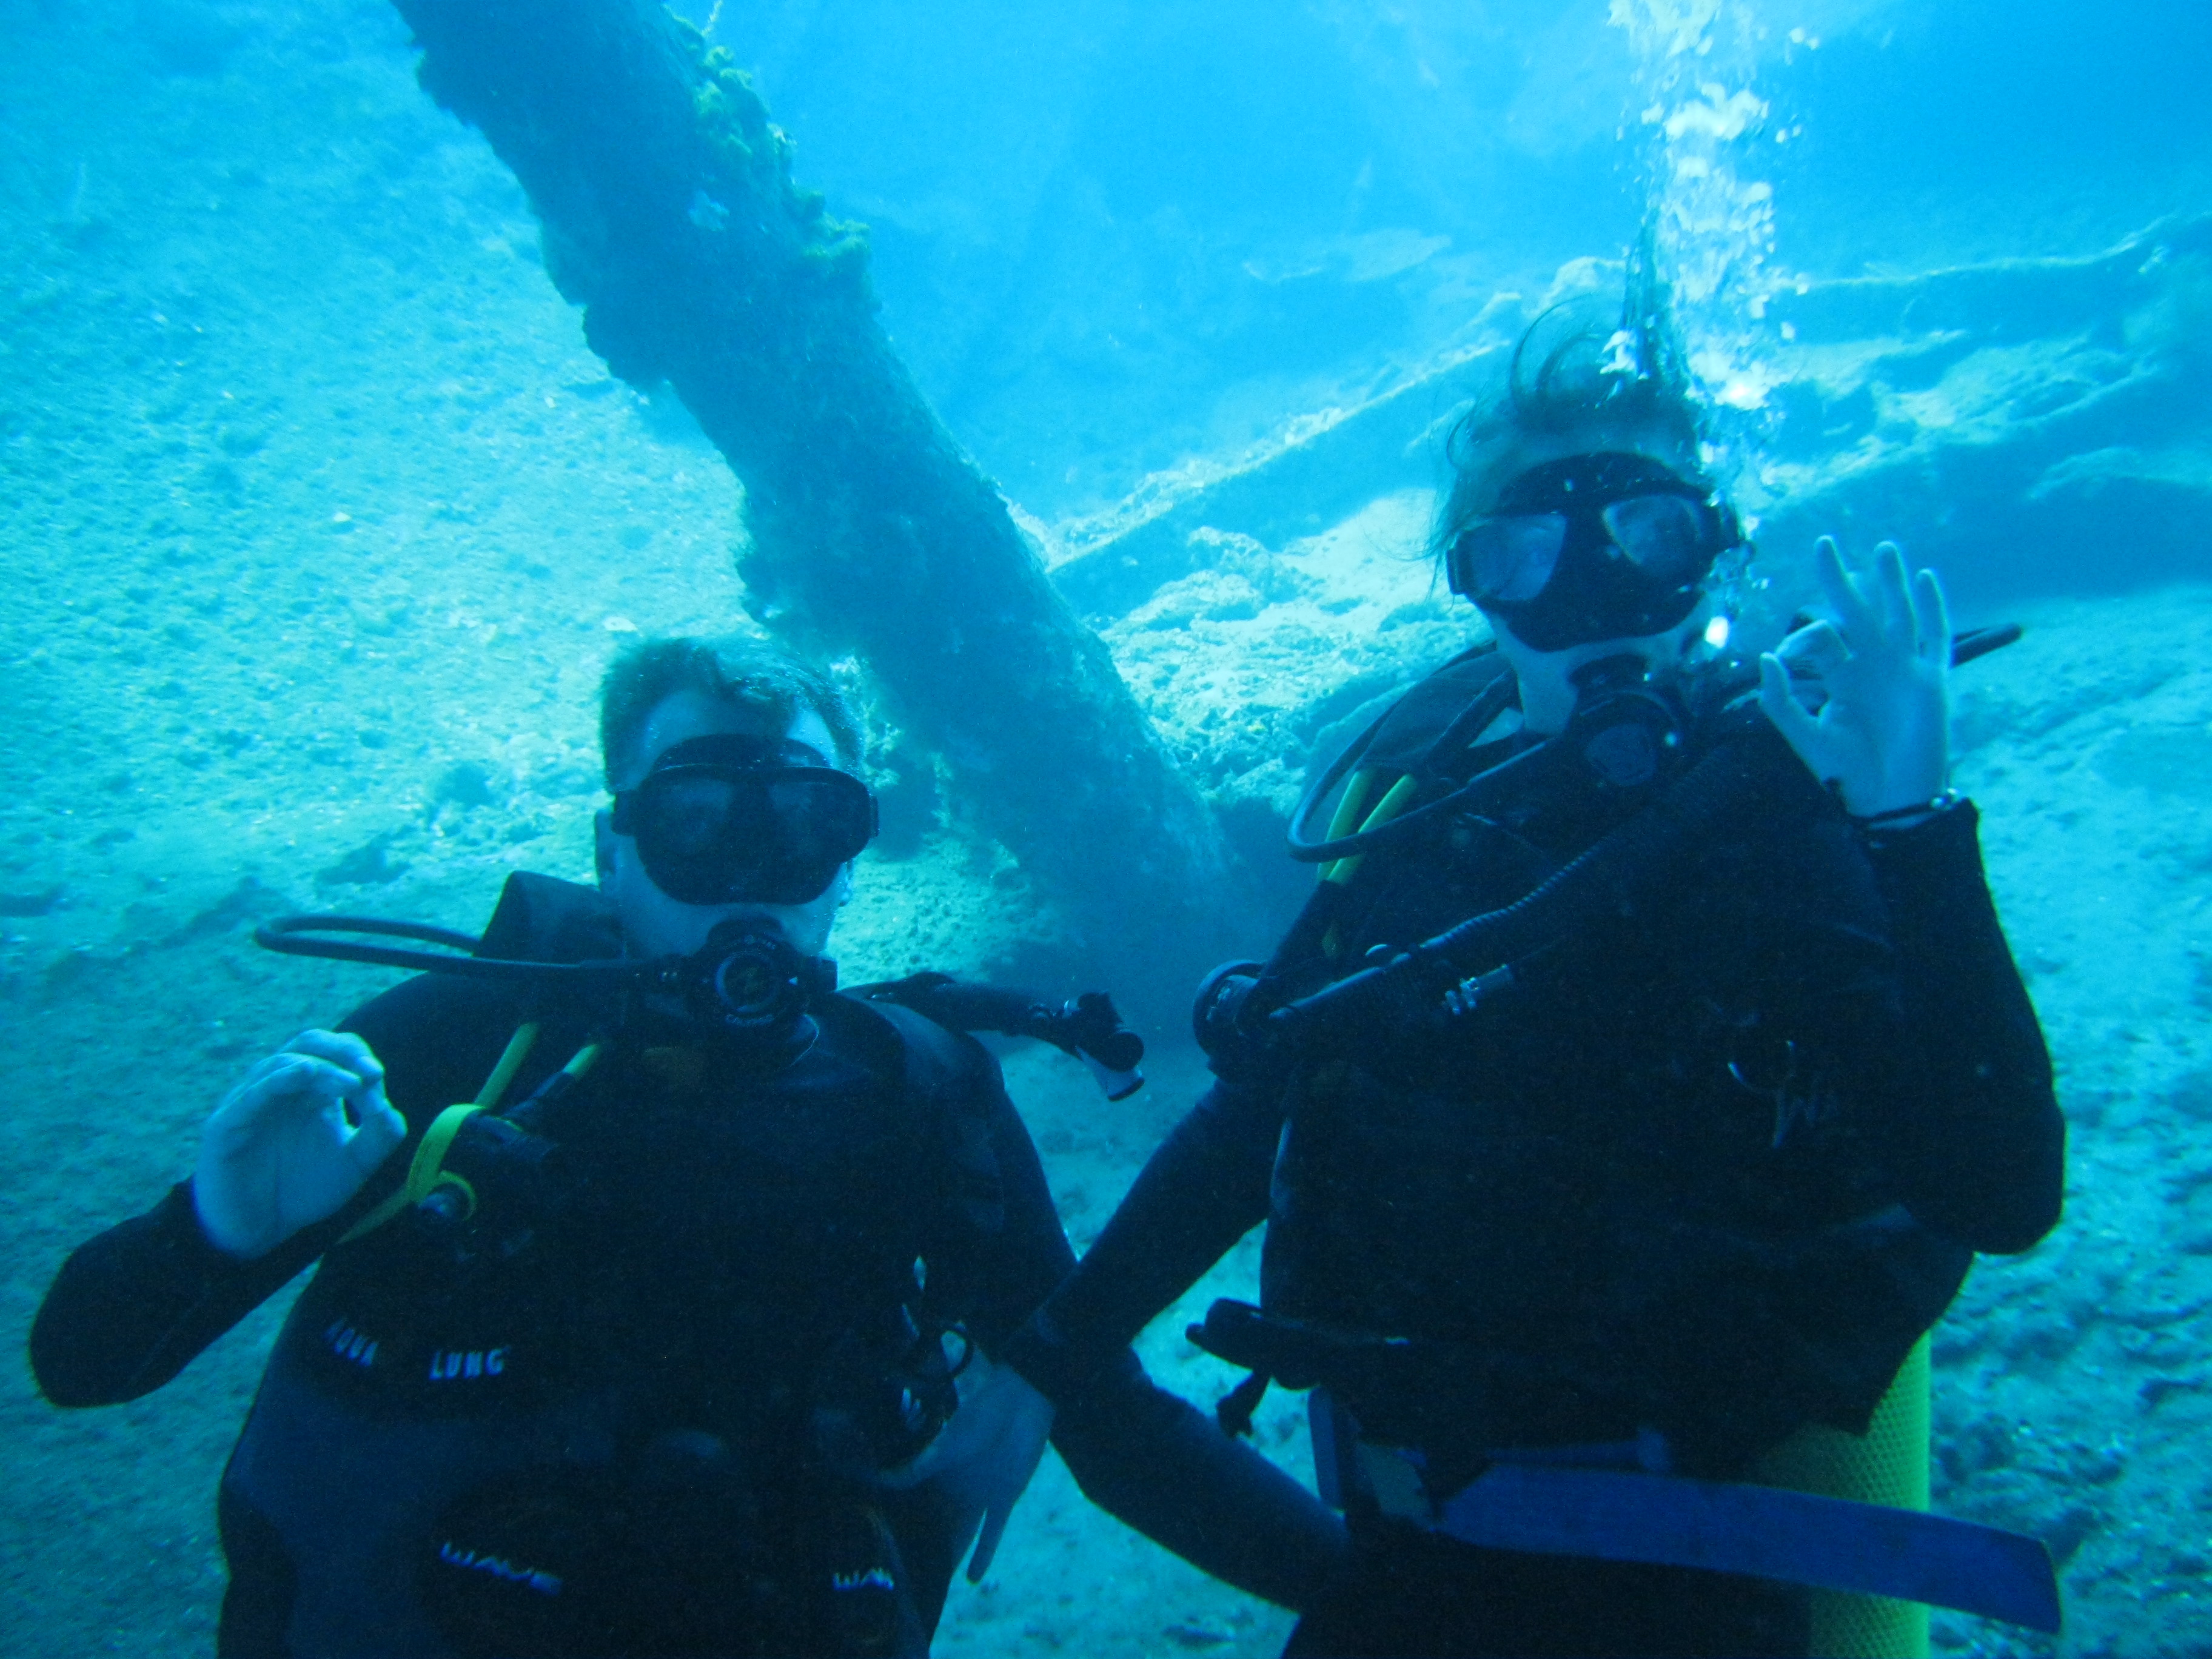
[1628, 1194]
[603, 1422]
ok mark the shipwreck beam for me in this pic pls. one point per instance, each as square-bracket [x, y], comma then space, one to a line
[670, 218]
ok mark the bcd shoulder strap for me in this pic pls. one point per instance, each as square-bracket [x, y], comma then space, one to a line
[942, 1073]
[1406, 742]
[1401, 763]
[543, 919]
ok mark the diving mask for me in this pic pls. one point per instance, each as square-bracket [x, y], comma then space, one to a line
[1604, 546]
[730, 819]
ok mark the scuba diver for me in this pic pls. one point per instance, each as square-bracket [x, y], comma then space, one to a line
[1631, 1095]
[675, 1340]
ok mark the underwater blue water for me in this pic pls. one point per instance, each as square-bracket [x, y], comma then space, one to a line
[318, 519]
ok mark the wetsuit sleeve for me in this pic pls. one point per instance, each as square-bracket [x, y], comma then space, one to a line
[1151, 1461]
[131, 1308]
[1204, 1189]
[1141, 1453]
[1979, 1142]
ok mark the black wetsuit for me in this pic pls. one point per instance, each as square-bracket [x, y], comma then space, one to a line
[1711, 1169]
[642, 1421]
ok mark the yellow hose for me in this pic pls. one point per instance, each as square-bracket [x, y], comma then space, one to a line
[423, 1172]
[510, 1062]
[1346, 819]
[1346, 815]
[1386, 809]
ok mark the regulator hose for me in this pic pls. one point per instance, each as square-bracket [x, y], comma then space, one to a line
[308, 936]
[1474, 959]
[1492, 701]
[1472, 955]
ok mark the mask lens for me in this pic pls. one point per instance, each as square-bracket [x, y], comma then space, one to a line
[774, 835]
[1507, 559]
[818, 821]
[1666, 536]
[694, 815]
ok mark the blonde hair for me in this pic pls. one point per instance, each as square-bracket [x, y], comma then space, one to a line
[1582, 379]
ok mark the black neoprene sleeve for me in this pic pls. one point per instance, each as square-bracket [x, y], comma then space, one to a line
[1980, 1142]
[1204, 1189]
[131, 1308]
[1143, 1455]
[1151, 1461]
[1029, 1252]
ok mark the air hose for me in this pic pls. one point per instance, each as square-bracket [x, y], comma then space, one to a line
[740, 985]
[1460, 968]
[1473, 960]
[1393, 826]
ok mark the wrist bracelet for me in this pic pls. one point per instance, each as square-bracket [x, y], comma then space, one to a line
[1922, 810]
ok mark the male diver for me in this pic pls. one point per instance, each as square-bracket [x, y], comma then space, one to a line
[654, 1355]
[1634, 1092]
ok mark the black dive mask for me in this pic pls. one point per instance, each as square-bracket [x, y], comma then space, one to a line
[730, 819]
[1605, 546]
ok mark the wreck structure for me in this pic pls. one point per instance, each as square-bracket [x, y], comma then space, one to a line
[671, 216]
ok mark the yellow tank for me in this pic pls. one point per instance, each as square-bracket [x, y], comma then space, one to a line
[1887, 1465]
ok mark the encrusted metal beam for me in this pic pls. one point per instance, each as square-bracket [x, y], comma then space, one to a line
[669, 216]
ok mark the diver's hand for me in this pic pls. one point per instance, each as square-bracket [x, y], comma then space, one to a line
[293, 1142]
[984, 1456]
[1881, 736]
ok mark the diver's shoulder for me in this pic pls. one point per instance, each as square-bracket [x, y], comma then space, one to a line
[436, 1018]
[1437, 697]
[906, 1047]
